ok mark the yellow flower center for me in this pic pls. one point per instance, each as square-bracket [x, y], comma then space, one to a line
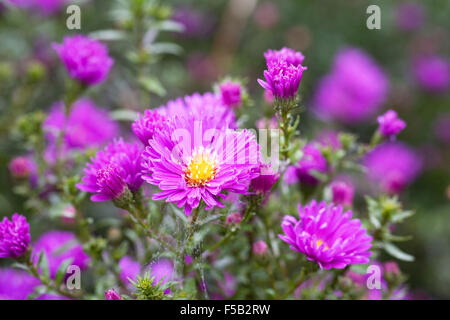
[201, 167]
[319, 243]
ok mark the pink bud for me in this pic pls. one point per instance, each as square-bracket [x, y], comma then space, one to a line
[260, 248]
[233, 218]
[111, 294]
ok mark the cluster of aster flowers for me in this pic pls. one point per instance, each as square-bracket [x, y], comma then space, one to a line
[189, 152]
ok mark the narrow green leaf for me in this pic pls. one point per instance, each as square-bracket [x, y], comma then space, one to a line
[397, 253]
[62, 270]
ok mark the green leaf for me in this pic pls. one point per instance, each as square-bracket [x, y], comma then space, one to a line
[124, 115]
[178, 213]
[164, 48]
[374, 220]
[170, 25]
[108, 35]
[152, 85]
[397, 253]
[399, 217]
[62, 270]
[20, 266]
[44, 267]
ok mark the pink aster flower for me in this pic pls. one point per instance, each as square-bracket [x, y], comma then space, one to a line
[112, 294]
[282, 79]
[390, 124]
[87, 126]
[162, 270]
[14, 236]
[327, 236]
[21, 167]
[260, 248]
[129, 269]
[201, 106]
[231, 94]
[353, 91]
[59, 246]
[289, 55]
[266, 179]
[233, 218]
[228, 285]
[342, 192]
[192, 160]
[16, 284]
[392, 166]
[85, 59]
[432, 73]
[113, 170]
[145, 126]
[311, 160]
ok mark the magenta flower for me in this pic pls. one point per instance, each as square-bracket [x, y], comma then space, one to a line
[392, 166]
[14, 236]
[162, 270]
[231, 94]
[228, 285]
[266, 179]
[199, 107]
[282, 79]
[113, 170]
[87, 126]
[233, 218]
[311, 161]
[85, 59]
[192, 161]
[432, 73]
[289, 55]
[390, 124]
[16, 284]
[21, 167]
[353, 91]
[327, 236]
[59, 246]
[129, 269]
[342, 193]
[145, 126]
[409, 16]
[195, 23]
[112, 294]
[260, 248]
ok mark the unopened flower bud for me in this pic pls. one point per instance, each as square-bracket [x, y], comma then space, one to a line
[260, 248]
[111, 294]
[233, 218]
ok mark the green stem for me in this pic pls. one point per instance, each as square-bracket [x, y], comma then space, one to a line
[296, 284]
[49, 284]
